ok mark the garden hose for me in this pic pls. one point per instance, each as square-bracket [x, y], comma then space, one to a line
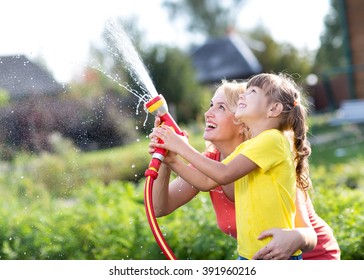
[158, 107]
[162, 243]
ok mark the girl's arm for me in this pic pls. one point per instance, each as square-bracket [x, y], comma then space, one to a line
[220, 173]
[191, 175]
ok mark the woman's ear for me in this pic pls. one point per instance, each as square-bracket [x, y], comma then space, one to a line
[275, 109]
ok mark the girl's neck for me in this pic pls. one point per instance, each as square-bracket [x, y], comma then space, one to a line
[258, 127]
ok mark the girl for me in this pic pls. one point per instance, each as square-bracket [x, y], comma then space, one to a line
[263, 168]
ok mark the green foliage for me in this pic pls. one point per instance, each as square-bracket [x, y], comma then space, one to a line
[207, 17]
[4, 97]
[341, 205]
[75, 206]
[106, 222]
[68, 169]
[175, 78]
[282, 57]
[331, 53]
[333, 145]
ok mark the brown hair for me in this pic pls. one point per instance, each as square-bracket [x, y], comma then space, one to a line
[281, 88]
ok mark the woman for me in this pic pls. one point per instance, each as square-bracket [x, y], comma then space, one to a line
[225, 134]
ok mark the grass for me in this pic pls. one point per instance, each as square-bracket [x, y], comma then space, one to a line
[336, 144]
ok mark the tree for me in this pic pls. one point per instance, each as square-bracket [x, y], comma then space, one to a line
[207, 17]
[213, 18]
[284, 57]
[331, 52]
[175, 78]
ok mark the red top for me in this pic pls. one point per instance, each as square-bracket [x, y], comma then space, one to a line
[223, 206]
[327, 247]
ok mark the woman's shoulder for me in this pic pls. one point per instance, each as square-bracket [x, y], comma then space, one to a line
[212, 153]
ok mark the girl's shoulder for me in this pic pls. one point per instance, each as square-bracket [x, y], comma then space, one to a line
[270, 135]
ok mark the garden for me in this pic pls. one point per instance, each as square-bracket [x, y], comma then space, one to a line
[72, 205]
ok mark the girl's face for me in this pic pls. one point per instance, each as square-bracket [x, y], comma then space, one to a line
[252, 105]
[219, 120]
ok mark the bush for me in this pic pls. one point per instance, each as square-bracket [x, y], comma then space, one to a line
[107, 222]
[74, 205]
[97, 124]
[341, 205]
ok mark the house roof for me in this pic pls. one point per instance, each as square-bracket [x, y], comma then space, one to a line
[21, 77]
[224, 58]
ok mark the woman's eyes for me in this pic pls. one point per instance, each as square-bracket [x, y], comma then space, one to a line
[220, 106]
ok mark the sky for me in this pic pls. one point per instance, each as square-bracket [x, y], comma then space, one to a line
[61, 32]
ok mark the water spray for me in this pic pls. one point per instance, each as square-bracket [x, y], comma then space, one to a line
[157, 106]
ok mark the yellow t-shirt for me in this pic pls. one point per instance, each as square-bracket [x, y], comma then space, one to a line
[265, 198]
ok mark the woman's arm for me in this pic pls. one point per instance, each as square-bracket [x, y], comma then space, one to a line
[287, 241]
[168, 196]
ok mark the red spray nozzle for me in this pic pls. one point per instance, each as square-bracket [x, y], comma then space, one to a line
[158, 107]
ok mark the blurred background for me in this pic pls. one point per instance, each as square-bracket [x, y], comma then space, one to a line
[73, 141]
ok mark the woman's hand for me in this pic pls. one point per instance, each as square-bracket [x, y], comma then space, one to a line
[283, 245]
[153, 138]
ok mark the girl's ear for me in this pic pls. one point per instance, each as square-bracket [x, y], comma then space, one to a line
[275, 109]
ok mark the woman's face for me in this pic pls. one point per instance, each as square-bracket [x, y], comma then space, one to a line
[219, 120]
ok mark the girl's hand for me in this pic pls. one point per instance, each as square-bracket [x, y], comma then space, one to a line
[170, 157]
[171, 140]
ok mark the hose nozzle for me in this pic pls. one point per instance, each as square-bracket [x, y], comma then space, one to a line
[157, 106]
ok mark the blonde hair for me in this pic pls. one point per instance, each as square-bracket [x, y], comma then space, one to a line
[281, 88]
[232, 89]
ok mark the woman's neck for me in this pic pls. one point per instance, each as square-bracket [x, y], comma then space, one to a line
[226, 148]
